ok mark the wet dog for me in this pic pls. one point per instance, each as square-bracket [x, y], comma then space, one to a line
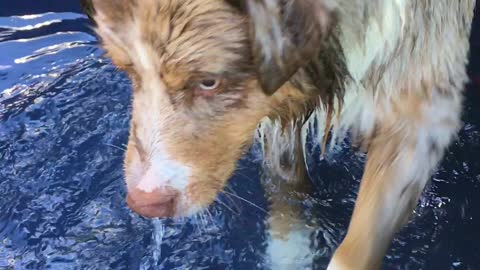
[209, 74]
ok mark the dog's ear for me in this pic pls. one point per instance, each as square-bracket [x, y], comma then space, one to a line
[286, 35]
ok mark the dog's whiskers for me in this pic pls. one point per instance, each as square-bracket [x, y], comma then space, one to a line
[226, 206]
[247, 201]
[245, 176]
[204, 221]
[212, 220]
[232, 201]
[117, 147]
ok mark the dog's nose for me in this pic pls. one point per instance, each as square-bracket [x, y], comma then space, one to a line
[157, 203]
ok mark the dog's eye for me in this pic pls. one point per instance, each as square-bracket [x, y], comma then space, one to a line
[209, 84]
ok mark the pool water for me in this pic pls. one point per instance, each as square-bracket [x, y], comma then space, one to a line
[64, 113]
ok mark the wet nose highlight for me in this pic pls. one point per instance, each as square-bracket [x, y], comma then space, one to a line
[157, 203]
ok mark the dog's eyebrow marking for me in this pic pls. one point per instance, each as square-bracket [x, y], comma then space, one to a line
[141, 50]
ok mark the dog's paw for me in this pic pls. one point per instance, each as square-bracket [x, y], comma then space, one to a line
[290, 251]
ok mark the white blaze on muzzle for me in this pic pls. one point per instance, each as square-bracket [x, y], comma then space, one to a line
[153, 113]
[164, 172]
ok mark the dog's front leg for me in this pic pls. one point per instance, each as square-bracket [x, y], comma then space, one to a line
[407, 143]
[286, 184]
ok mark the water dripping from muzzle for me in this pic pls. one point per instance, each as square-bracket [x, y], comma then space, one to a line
[158, 234]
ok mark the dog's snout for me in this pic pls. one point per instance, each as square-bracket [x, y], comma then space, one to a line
[157, 203]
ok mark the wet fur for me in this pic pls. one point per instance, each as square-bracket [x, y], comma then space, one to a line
[389, 74]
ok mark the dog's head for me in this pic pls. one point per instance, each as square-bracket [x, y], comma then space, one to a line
[204, 74]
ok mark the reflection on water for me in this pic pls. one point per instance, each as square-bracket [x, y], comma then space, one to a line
[63, 123]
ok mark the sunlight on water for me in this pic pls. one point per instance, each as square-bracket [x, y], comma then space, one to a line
[35, 21]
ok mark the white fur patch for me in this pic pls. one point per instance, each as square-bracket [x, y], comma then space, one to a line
[143, 57]
[294, 252]
[152, 117]
[141, 51]
[380, 38]
[164, 172]
[360, 108]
